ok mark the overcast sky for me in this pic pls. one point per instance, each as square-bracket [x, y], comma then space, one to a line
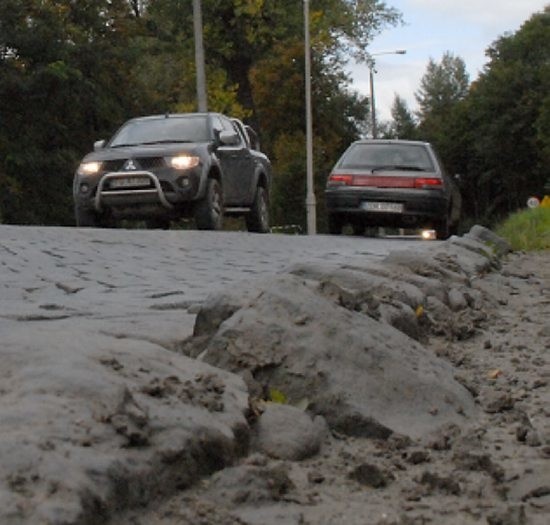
[464, 27]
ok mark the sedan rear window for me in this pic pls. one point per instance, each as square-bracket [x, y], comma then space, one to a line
[162, 130]
[373, 156]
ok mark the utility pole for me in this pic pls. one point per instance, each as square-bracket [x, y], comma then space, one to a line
[199, 57]
[310, 194]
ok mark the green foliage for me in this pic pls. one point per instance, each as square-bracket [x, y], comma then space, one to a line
[443, 84]
[527, 230]
[508, 111]
[289, 189]
[61, 68]
[442, 87]
[505, 123]
[542, 127]
[403, 124]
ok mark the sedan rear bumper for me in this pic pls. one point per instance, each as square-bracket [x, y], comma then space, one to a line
[418, 207]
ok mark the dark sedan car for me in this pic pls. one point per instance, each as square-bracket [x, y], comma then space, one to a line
[164, 167]
[393, 183]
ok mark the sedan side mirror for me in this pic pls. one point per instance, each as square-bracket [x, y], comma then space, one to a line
[99, 144]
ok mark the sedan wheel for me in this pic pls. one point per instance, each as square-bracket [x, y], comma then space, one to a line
[442, 229]
[335, 224]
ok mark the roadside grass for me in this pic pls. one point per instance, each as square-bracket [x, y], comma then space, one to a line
[527, 230]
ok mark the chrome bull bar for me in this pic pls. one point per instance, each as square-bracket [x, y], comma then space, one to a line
[132, 188]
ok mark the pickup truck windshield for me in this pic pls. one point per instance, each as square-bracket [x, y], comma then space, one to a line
[162, 130]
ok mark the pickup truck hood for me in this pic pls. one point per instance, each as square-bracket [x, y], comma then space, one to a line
[152, 150]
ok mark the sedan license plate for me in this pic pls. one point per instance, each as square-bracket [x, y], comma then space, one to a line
[129, 182]
[385, 207]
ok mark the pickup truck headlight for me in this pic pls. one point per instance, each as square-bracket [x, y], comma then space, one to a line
[89, 168]
[184, 162]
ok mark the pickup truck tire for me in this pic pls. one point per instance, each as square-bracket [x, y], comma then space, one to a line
[257, 219]
[209, 211]
[158, 224]
[85, 218]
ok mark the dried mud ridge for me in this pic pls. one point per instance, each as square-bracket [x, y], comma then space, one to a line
[357, 439]
[409, 391]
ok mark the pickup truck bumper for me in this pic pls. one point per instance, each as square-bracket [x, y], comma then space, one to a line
[132, 193]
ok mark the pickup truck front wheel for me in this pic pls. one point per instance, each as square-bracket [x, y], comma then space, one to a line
[209, 211]
[86, 218]
[257, 219]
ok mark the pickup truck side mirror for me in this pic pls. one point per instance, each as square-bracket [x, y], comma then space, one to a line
[229, 138]
[99, 144]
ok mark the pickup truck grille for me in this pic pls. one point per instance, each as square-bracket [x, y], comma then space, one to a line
[142, 163]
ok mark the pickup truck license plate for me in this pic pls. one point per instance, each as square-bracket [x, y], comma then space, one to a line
[129, 182]
[387, 207]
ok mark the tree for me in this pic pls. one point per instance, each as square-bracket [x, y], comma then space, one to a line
[403, 125]
[61, 71]
[443, 85]
[509, 111]
[496, 134]
[253, 28]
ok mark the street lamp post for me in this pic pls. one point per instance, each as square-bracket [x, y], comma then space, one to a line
[372, 104]
[199, 57]
[371, 79]
[310, 194]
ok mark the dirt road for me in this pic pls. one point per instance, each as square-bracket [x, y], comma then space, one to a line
[494, 471]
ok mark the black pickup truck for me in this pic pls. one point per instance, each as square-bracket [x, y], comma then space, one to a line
[166, 167]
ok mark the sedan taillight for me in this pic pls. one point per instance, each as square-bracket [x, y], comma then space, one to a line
[340, 180]
[425, 183]
[381, 181]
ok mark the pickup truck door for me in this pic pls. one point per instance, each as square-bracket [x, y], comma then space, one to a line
[238, 166]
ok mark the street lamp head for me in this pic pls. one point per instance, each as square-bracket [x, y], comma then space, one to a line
[394, 52]
[370, 63]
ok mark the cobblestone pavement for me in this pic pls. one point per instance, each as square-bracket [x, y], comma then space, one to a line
[147, 283]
